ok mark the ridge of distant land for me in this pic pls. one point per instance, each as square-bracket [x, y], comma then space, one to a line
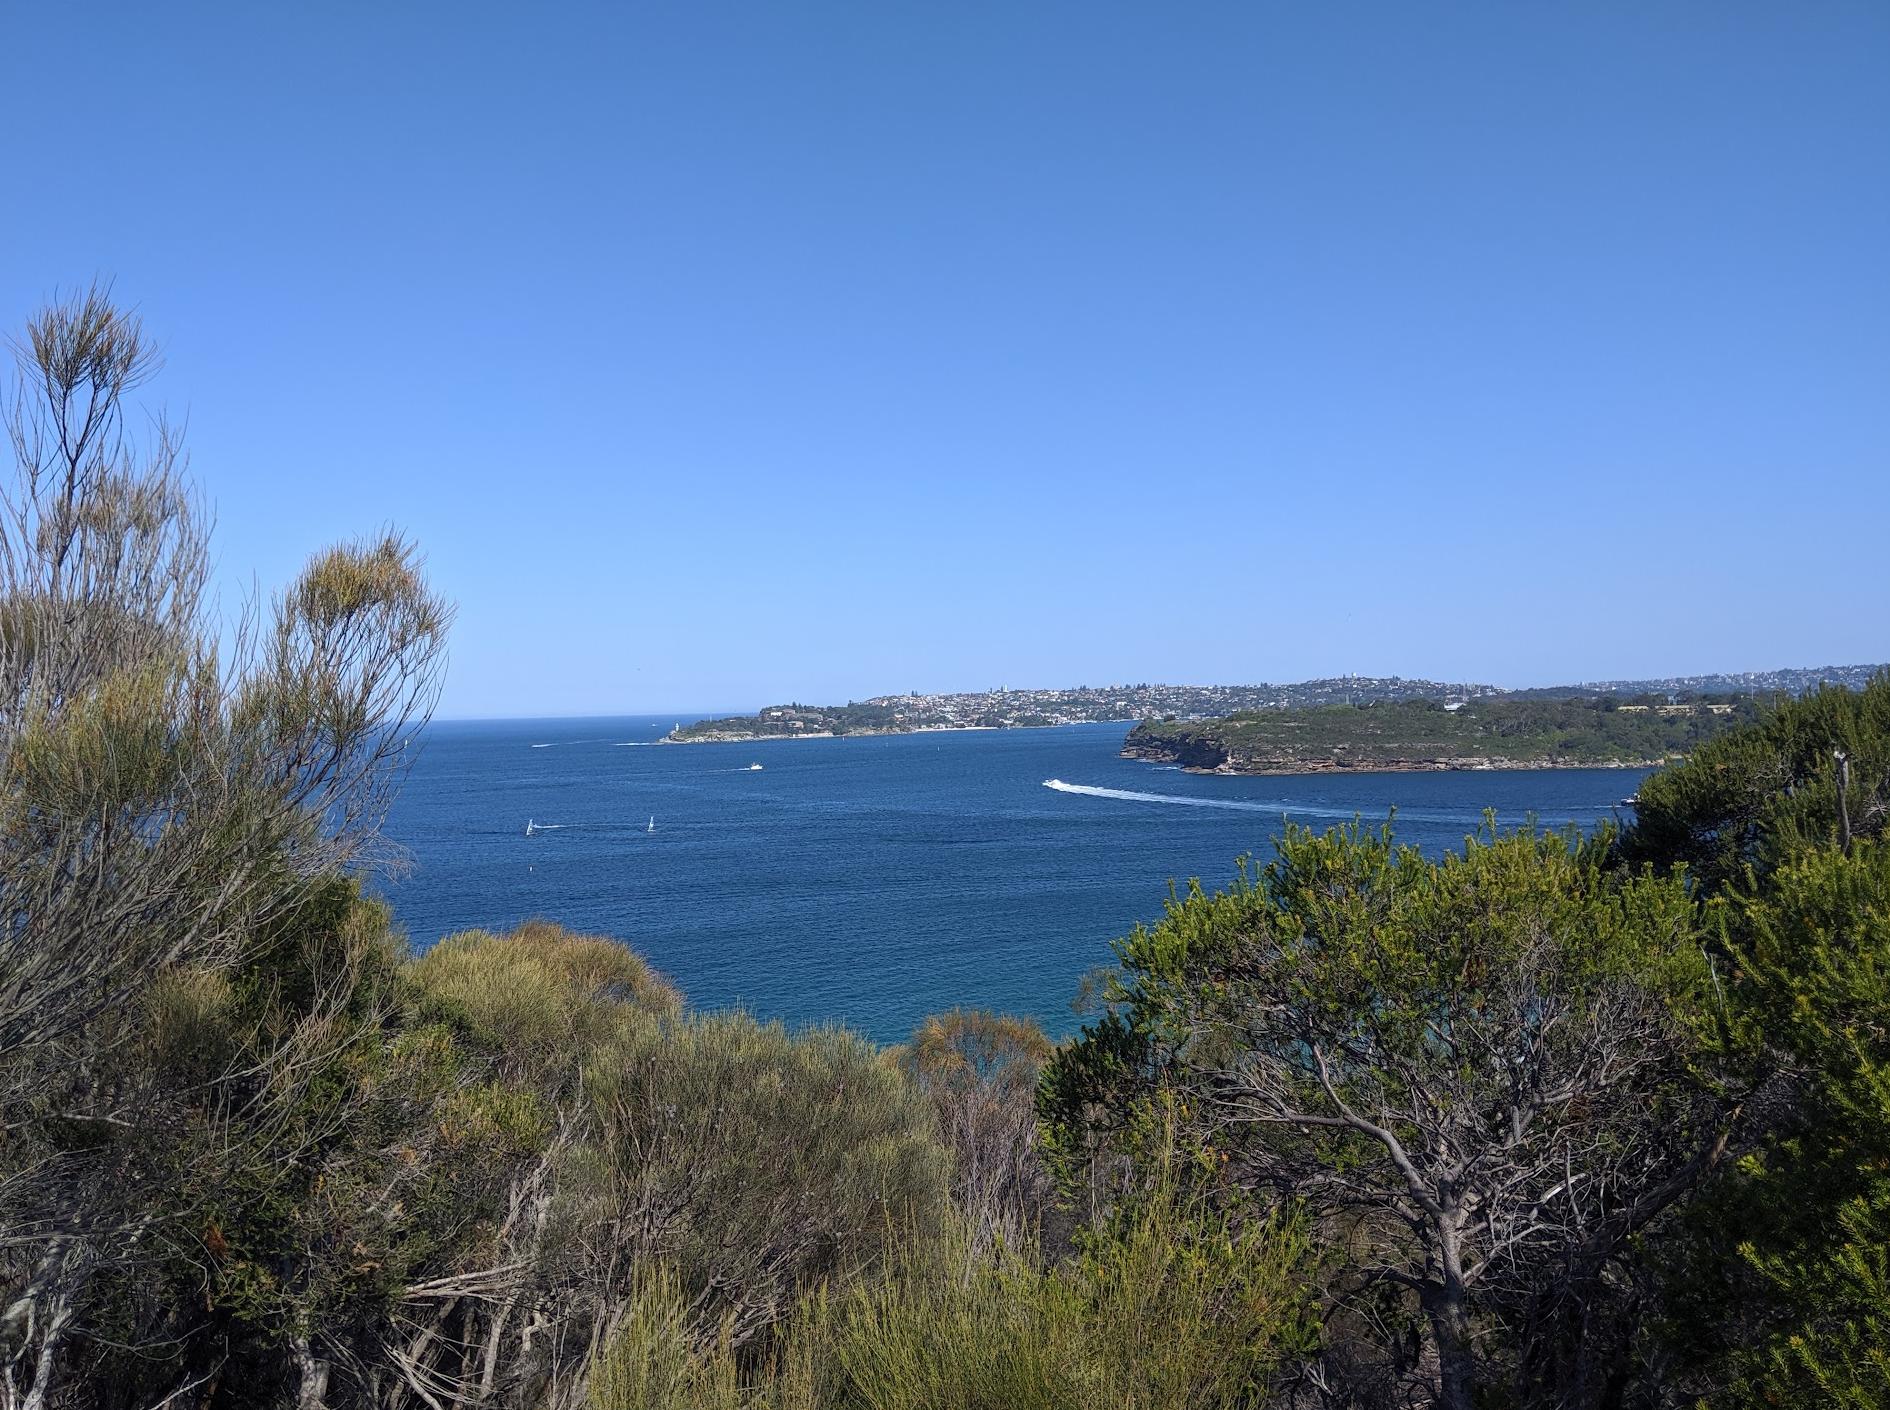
[1404, 736]
[1015, 709]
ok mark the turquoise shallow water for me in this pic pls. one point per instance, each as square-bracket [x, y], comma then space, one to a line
[872, 881]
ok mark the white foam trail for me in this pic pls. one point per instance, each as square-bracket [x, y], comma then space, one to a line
[1282, 808]
[1129, 795]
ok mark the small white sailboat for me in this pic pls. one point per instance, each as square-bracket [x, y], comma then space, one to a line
[652, 826]
[530, 827]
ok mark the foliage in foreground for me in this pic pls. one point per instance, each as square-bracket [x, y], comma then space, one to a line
[1549, 1122]
[250, 1152]
[179, 975]
[1818, 948]
[1777, 1294]
[1752, 800]
[1168, 1309]
[366, 1180]
[980, 1072]
[1477, 1071]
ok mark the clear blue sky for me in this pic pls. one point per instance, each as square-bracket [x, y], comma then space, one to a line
[724, 353]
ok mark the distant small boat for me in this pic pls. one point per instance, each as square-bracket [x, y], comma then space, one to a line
[1632, 801]
[530, 827]
[652, 826]
[754, 768]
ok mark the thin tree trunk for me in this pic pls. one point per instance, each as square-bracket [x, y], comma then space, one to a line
[313, 1392]
[1447, 1307]
[48, 1352]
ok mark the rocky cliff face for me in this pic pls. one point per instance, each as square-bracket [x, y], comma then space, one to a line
[1196, 749]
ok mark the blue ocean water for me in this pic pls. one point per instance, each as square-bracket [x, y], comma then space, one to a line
[872, 881]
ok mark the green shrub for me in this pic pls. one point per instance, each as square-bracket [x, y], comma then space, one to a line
[655, 1364]
[1165, 1312]
[755, 1161]
[1775, 1294]
[1173, 1311]
[540, 997]
[1810, 1210]
[1766, 792]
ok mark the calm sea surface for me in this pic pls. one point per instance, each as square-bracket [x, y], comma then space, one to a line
[872, 881]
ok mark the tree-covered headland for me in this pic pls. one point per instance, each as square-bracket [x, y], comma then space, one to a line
[1552, 1121]
[1493, 732]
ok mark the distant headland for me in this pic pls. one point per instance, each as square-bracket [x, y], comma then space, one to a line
[1161, 707]
[1407, 736]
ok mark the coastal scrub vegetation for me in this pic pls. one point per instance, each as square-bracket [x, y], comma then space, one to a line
[1550, 1121]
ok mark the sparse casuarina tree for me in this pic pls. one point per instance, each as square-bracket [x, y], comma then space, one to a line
[1475, 1070]
[981, 1069]
[163, 795]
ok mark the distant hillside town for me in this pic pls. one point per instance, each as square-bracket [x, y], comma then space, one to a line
[1004, 708]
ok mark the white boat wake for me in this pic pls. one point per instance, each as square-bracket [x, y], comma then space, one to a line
[1129, 795]
[1466, 819]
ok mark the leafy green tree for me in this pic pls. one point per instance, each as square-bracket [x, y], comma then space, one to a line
[1810, 772]
[1817, 948]
[1476, 1072]
[1776, 1294]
